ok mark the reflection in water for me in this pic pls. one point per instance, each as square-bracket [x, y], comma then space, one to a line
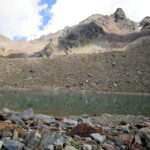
[61, 104]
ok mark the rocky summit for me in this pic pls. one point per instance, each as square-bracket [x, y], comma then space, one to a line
[43, 132]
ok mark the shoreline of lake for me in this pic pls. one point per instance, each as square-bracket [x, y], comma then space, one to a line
[73, 90]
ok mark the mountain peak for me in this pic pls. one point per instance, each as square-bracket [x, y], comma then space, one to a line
[119, 14]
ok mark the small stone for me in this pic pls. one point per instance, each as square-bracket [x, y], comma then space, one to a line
[70, 148]
[98, 138]
[85, 120]
[125, 129]
[1, 143]
[90, 75]
[123, 147]
[107, 147]
[27, 114]
[13, 145]
[137, 139]
[50, 147]
[87, 147]
[45, 119]
[113, 64]
[7, 133]
[123, 123]
[85, 116]
[127, 139]
[115, 85]
[118, 142]
[70, 122]
[15, 136]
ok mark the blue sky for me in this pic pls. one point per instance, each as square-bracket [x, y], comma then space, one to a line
[46, 15]
[30, 19]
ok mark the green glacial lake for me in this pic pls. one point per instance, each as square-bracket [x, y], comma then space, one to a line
[62, 104]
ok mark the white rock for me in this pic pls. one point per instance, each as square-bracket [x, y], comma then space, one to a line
[98, 138]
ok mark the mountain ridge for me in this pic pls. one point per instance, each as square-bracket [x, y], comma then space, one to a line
[82, 38]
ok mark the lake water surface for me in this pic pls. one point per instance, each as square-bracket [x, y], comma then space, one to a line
[63, 104]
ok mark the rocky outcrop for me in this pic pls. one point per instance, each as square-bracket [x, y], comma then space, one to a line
[119, 15]
[80, 36]
[145, 23]
[123, 22]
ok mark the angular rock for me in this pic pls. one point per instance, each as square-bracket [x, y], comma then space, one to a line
[69, 123]
[1, 144]
[45, 119]
[84, 130]
[85, 120]
[13, 145]
[87, 147]
[137, 139]
[127, 139]
[125, 129]
[15, 119]
[85, 116]
[70, 148]
[32, 140]
[52, 138]
[119, 142]
[26, 114]
[145, 136]
[4, 114]
[98, 138]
